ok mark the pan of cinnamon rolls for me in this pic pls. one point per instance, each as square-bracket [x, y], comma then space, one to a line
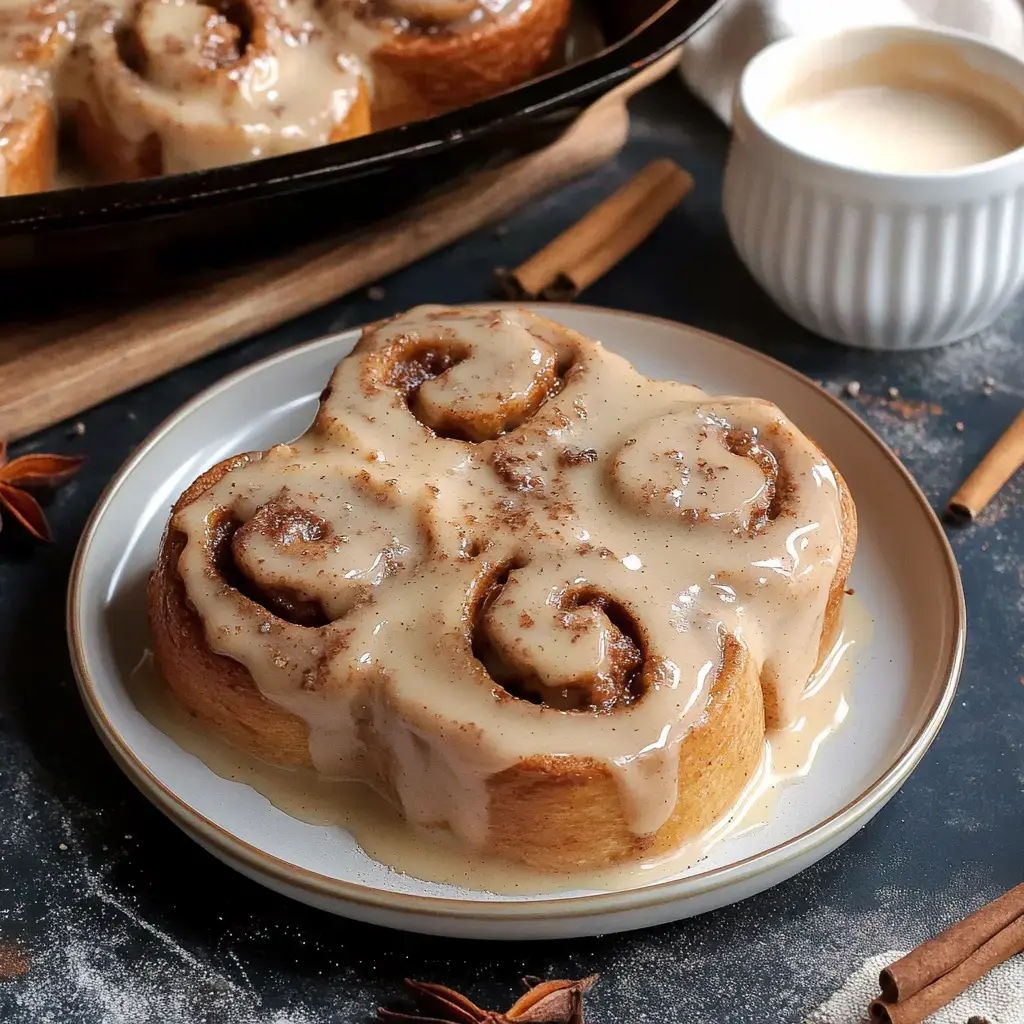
[116, 111]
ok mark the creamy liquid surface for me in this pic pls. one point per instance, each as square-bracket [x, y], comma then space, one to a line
[607, 487]
[434, 856]
[901, 130]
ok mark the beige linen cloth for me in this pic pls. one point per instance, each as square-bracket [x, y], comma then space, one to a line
[997, 998]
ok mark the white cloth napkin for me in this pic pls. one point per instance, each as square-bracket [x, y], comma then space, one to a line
[998, 998]
[713, 59]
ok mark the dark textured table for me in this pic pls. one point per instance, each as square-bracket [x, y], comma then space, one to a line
[110, 915]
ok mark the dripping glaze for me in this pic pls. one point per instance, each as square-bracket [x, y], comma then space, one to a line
[433, 856]
[594, 511]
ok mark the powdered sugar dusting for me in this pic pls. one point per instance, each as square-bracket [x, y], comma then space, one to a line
[91, 972]
[738, 954]
[79, 948]
[992, 353]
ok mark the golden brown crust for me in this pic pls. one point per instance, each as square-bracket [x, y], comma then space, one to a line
[564, 815]
[218, 691]
[422, 75]
[28, 156]
[33, 38]
[358, 120]
[108, 154]
[833, 610]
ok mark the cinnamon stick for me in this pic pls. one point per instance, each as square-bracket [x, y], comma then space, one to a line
[946, 950]
[1003, 460]
[914, 1010]
[612, 230]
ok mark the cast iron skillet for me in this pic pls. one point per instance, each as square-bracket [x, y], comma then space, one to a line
[260, 206]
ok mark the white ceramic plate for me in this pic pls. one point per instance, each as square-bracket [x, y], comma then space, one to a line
[904, 680]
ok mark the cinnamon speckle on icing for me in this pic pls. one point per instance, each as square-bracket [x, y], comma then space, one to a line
[686, 485]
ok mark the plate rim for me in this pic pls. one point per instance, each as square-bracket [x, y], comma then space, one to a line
[234, 849]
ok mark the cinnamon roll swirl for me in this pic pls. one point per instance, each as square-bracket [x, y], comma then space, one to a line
[530, 595]
[165, 86]
[430, 56]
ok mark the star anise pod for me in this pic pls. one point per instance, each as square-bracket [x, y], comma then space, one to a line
[545, 1002]
[23, 474]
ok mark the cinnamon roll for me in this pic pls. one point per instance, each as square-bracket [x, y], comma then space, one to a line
[34, 37]
[165, 86]
[28, 136]
[430, 56]
[531, 596]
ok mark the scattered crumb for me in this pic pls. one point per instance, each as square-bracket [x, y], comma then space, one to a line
[501, 231]
[850, 591]
[13, 961]
[919, 434]
[893, 392]
[131, 415]
[375, 293]
[960, 426]
[77, 430]
[62, 846]
[905, 408]
[853, 388]
[989, 382]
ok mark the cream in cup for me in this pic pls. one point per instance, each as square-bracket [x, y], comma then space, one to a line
[875, 184]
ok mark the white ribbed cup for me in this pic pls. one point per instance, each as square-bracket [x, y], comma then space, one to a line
[873, 259]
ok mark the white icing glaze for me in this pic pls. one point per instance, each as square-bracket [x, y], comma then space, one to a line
[621, 520]
[211, 91]
[20, 91]
[35, 36]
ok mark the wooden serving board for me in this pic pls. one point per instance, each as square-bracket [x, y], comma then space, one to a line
[55, 369]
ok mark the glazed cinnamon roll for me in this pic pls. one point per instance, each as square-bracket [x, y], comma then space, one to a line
[531, 596]
[430, 56]
[165, 86]
[28, 136]
[34, 38]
